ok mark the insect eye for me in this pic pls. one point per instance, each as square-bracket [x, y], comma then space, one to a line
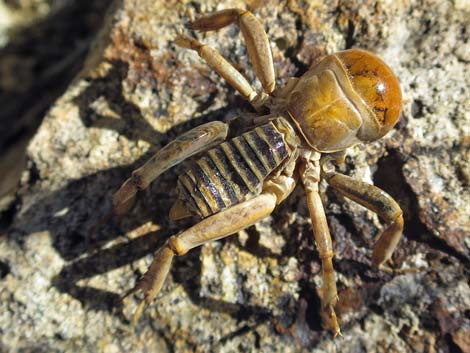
[377, 85]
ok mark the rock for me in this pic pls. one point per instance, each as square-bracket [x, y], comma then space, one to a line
[63, 267]
[462, 339]
[42, 47]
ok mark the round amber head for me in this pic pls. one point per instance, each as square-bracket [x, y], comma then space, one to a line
[376, 84]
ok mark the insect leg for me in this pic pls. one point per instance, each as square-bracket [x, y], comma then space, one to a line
[223, 68]
[215, 227]
[310, 179]
[194, 141]
[255, 36]
[379, 202]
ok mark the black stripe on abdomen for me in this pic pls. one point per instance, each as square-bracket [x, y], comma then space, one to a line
[250, 157]
[188, 183]
[208, 188]
[277, 146]
[241, 166]
[226, 174]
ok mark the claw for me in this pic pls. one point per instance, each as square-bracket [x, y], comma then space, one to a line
[330, 320]
[338, 333]
[151, 282]
[140, 309]
[138, 312]
[124, 198]
[398, 271]
[129, 292]
[335, 324]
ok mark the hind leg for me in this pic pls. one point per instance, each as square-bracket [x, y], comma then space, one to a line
[191, 142]
[215, 227]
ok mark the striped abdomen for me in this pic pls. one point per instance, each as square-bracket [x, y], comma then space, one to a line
[226, 174]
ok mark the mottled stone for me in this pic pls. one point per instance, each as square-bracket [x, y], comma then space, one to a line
[63, 267]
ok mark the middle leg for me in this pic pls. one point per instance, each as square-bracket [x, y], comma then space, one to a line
[379, 202]
[310, 178]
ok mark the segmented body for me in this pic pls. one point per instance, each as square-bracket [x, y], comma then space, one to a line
[228, 173]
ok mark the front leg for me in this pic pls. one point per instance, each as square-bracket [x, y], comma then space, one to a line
[255, 37]
[310, 178]
[226, 70]
[186, 145]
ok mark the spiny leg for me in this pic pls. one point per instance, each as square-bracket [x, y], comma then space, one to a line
[191, 142]
[226, 70]
[379, 202]
[212, 228]
[310, 179]
[255, 36]
[215, 227]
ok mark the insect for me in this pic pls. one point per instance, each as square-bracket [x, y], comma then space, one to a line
[300, 134]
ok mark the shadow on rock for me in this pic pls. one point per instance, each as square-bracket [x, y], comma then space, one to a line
[72, 213]
[37, 63]
[110, 89]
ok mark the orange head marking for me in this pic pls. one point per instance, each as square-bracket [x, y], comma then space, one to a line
[347, 98]
[377, 85]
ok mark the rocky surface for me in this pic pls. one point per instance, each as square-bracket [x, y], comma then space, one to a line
[62, 271]
[42, 47]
